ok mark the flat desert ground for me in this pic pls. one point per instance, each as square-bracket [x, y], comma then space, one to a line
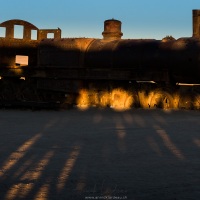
[99, 154]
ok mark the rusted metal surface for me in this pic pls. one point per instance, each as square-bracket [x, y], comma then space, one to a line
[9, 25]
[43, 33]
[10, 48]
[112, 29]
[196, 23]
[57, 63]
[27, 28]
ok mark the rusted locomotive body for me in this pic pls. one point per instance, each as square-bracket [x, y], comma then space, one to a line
[152, 73]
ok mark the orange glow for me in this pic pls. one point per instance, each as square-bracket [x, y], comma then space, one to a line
[39, 167]
[118, 99]
[104, 99]
[168, 143]
[18, 190]
[19, 153]
[62, 179]
[43, 192]
[145, 98]
[197, 102]
[23, 168]
[83, 100]
[12, 192]
[121, 100]
[21, 189]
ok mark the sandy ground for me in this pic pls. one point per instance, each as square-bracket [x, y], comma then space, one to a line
[100, 154]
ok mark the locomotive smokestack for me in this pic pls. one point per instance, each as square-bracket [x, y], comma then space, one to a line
[196, 23]
[112, 29]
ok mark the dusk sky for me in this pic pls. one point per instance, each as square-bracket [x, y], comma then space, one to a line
[85, 18]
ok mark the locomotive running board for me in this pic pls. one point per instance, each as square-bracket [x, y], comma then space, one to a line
[188, 84]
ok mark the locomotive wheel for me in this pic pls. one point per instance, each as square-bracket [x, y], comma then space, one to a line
[162, 99]
[83, 99]
[197, 102]
[190, 101]
[121, 99]
[104, 99]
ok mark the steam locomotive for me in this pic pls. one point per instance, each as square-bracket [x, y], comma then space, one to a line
[110, 71]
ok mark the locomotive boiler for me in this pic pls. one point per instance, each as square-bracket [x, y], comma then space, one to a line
[111, 71]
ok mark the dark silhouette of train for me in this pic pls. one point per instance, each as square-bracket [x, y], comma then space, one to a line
[111, 71]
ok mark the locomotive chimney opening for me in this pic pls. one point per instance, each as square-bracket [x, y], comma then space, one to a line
[112, 29]
[196, 23]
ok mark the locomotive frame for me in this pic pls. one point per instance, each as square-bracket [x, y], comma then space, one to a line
[111, 71]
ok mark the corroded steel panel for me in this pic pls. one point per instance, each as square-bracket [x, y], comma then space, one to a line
[99, 54]
[107, 58]
[112, 29]
[68, 52]
[196, 23]
[9, 48]
[9, 25]
[43, 33]
[59, 53]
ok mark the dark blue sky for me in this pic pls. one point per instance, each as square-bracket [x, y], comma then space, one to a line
[84, 18]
